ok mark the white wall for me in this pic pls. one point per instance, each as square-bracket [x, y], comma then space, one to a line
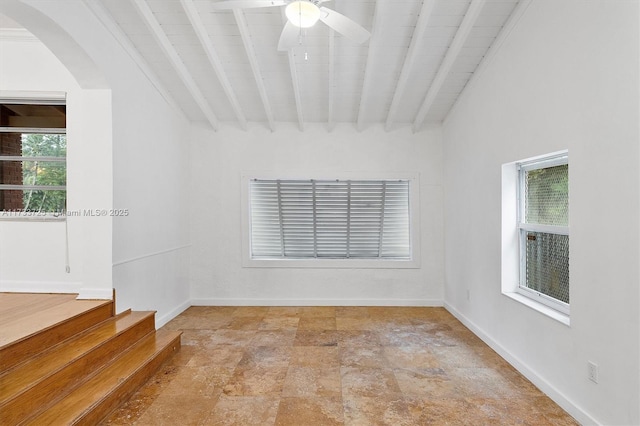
[566, 78]
[148, 159]
[219, 159]
[33, 254]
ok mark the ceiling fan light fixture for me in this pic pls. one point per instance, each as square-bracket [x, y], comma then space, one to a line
[302, 13]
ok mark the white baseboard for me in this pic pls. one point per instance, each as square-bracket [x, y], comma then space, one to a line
[316, 302]
[95, 293]
[558, 397]
[160, 321]
[40, 287]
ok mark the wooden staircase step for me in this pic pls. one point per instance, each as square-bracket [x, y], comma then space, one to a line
[105, 391]
[24, 337]
[17, 305]
[64, 366]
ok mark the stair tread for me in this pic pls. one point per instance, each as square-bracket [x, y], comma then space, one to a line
[17, 305]
[38, 368]
[26, 326]
[90, 393]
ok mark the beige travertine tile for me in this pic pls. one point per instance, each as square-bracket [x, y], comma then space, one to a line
[352, 312]
[433, 383]
[279, 323]
[316, 338]
[315, 356]
[238, 338]
[368, 382]
[310, 411]
[185, 409]
[244, 323]
[318, 311]
[334, 366]
[309, 382]
[243, 411]
[283, 311]
[251, 311]
[364, 356]
[355, 323]
[266, 356]
[317, 323]
[274, 338]
[411, 357]
[221, 355]
[256, 381]
[381, 410]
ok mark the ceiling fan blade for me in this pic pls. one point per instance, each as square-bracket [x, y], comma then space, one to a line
[288, 37]
[344, 25]
[246, 4]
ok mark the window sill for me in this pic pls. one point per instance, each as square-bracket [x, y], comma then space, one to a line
[331, 263]
[35, 217]
[543, 309]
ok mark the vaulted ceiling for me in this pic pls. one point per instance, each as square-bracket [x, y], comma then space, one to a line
[224, 67]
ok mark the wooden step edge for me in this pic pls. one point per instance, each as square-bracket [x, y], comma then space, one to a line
[108, 405]
[74, 305]
[99, 396]
[91, 372]
[63, 343]
[68, 366]
[18, 352]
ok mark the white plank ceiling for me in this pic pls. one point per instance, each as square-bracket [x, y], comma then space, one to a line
[223, 66]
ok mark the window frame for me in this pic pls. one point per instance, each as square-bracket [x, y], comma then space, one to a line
[34, 98]
[523, 228]
[347, 263]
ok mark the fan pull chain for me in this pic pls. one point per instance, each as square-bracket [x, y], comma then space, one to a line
[300, 42]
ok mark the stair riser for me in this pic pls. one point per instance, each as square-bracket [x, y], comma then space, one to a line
[23, 350]
[38, 398]
[129, 386]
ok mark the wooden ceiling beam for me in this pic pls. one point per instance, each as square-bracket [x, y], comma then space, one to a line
[332, 77]
[295, 81]
[504, 33]
[417, 42]
[253, 62]
[165, 44]
[99, 10]
[296, 88]
[450, 57]
[367, 83]
[214, 60]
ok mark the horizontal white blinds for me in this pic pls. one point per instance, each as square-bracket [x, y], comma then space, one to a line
[363, 219]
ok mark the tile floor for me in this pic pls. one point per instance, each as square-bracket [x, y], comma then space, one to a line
[334, 366]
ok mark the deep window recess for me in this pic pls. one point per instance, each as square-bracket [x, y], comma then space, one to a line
[33, 149]
[332, 219]
[543, 222]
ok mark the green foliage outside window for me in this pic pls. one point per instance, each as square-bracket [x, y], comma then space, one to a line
[42, 172]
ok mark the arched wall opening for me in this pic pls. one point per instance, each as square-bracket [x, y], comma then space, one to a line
[73, 255]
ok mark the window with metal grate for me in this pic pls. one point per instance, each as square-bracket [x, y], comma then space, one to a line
[330, 219]
[543, 222]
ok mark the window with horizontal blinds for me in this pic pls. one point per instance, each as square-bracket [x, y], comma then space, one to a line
[33, 165]
[332, 219]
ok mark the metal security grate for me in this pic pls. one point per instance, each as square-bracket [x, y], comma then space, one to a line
[334, 219]
[547, 268]
[544, 229]
[547, 196]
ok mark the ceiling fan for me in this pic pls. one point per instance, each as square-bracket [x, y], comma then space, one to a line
[302, 14]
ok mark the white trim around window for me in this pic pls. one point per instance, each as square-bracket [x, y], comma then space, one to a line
[414, 215]
[512, 230]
